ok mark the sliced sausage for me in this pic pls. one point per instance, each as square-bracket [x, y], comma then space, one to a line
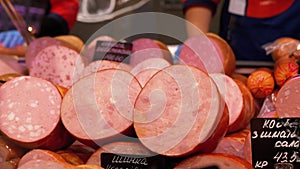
[104, 64]
[238, 99]
[147, 68]
[177, 111]
[287, 100]
[41, 154]
[30, 113]
[57, 64]
[145, 48]
[99, 106]
[45, 164]
[233, 144]
[222, 161]
[131, 148]
[199, 51]
[36, 46]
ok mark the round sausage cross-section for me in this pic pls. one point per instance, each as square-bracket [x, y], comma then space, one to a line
[177, 111]
[30, 113]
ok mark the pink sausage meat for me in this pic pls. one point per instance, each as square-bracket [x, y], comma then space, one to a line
[30, 113]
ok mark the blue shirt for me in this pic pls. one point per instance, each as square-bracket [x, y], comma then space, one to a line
[248, 25]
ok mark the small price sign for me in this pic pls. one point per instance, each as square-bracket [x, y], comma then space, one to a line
[128, 161]
[275, 143]
[112, 51]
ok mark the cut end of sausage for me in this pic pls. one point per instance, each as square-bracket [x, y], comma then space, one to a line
[100, 105]
[177, 110]
[30, 108]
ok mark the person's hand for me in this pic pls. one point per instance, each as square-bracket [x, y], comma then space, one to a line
[11, 39]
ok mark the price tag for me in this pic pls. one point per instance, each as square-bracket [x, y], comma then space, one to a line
[275, 143]
[126, 161]
[113, 51]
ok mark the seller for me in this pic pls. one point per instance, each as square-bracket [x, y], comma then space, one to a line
[247, 25]
[45, 18]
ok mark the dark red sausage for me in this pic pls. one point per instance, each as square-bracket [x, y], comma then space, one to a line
[222, 161]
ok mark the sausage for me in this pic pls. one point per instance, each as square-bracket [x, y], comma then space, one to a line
[222, 161]
[248, 148]
[261, 83]
[82, 151]
[173, 113]
[238, 99]
[88, 166]
[233, 144]
[225, 51]
[10, 153]
[10, 164]
[147, 68]
[99, 107]
[104, 64]
[131, 148]
[239, 77]
[89, 50]
[36, 46]
[70, 157]
[10, 64]
[285, 69]
[198, 51]
[287, 100]
[41, 154]
[71, 41]
[57, 64]
[19, 50]
[32, 120]
[144, 48]
[284, 47]
[45, 164]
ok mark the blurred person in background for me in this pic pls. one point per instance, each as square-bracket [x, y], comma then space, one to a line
[44, 18]
[247, 25]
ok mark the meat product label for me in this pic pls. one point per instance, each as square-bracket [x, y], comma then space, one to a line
[126, 161]
[112, 51]
[275, 143]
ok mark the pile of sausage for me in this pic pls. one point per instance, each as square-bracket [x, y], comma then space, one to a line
[69, 109]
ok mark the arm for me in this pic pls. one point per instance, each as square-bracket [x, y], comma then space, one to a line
[198, 13]
[199, 16]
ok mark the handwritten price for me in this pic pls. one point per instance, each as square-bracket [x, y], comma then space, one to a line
[286, 157]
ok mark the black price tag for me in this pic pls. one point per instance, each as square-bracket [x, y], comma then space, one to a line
[126, 161]
[275, 143]
[112, 51]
